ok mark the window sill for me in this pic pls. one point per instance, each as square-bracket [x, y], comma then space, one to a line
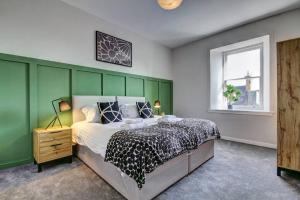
[242, 112]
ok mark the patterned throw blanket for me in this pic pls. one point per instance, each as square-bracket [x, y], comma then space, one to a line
[139, 151]
[198, 130]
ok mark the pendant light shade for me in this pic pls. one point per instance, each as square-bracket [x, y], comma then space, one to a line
[169, 4]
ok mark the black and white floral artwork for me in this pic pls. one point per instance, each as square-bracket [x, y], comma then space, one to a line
[113, 50]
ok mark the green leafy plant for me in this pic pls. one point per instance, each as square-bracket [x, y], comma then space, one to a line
[232, 94]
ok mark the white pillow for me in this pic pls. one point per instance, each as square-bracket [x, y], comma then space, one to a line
[129, 111]
[91, 113]
[169, 117]
[134, 121]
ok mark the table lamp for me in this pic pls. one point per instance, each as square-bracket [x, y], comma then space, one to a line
[63, 106]
[157, 105]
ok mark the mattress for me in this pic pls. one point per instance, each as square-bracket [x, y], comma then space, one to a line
[96, 136]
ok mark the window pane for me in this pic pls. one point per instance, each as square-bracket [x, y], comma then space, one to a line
[250, 98]
[254, 84]
[237, 83]
[239, 65]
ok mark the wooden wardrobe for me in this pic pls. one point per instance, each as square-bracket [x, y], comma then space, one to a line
[288, 105]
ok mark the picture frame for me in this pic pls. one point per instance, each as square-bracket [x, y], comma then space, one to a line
[111, 49]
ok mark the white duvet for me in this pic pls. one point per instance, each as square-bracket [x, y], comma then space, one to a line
[96, 136]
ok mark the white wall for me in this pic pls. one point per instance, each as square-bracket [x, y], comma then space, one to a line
[191, 78]
[53, 30]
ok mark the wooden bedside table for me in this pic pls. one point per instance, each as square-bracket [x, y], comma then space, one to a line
[51, 144]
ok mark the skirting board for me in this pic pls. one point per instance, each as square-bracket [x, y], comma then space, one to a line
[261, 144]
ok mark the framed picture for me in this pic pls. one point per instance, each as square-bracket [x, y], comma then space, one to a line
[113, 50]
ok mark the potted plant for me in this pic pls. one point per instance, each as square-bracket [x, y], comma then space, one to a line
[232, 94]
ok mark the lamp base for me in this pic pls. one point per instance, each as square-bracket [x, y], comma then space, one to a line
[157, 111]
[53, 122]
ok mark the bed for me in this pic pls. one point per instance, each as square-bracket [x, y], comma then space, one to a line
[92, 147]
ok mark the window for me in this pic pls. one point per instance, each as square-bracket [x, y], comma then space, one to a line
[245, 65]
[242, 68]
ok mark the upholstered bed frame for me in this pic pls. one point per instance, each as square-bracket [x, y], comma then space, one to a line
[160, 179]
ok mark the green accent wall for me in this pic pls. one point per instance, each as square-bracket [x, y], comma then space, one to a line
[88, 83]
[49, 88]
[15, 137]
[28, 86]
[151, 90]
[114, 85]
[134, 87]
[165, 97]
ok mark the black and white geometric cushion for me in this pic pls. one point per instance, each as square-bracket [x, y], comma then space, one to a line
[144, 109]
[109, 112]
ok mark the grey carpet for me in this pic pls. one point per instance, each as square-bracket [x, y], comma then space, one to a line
[237, 171]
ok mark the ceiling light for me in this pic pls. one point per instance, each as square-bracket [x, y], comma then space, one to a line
[169, 4]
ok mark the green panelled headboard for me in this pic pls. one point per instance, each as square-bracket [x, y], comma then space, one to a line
[27, 86]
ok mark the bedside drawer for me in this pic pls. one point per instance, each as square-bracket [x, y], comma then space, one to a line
[55, 142]
[51, 136]
[52, 155]
[54, 148]
[51, 144]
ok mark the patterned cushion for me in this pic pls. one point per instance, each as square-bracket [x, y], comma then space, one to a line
[109, 112]
[144, 109]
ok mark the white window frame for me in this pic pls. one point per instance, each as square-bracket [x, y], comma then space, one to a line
[217, 62]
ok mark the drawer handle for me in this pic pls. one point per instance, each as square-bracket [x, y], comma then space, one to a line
[55, 132]
[54, 145]
[47, 140]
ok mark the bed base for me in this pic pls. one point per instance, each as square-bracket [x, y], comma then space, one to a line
[199, 156]
[156, 182]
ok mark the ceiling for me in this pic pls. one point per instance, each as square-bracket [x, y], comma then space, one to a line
[193, 20]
